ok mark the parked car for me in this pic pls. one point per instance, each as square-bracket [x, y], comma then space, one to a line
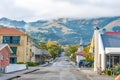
[84, 63]
[88, 64]
[81, 63]
[66, 59]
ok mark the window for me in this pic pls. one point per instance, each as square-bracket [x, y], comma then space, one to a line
[6, 39]
[15, 39]
[13, 60]
[11, 39]
[14, 49]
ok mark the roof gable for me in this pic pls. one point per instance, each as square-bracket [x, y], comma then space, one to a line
[2, 46]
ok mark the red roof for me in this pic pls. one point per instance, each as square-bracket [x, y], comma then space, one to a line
[10, 31]
[81, 53]
[113, 33]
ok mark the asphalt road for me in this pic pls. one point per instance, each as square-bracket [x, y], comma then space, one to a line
[59, 70]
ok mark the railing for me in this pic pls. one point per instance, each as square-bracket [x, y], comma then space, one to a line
[12, 42]
[15, 55]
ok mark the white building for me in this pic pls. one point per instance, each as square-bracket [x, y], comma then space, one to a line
[106, 49]
[80, 55]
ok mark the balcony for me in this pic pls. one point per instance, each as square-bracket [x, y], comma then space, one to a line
[12, 42]
[15, 40]
[13, 55]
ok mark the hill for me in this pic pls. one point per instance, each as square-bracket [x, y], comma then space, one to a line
[64, 30]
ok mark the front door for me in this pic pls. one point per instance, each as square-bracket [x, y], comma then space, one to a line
[116, 60]
[13, 60]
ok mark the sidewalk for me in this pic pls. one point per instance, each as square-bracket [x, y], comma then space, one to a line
[16, 74]
[94, 76]
[11, 75]
[91, 74]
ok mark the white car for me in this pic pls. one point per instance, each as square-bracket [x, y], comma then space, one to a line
[66, 59]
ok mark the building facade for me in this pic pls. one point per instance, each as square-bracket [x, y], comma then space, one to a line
[5, 52]
[80, 54]
[19, 42]
[106, 49]
[38, 55]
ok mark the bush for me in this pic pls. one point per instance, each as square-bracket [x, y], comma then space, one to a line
[116, 70]
[108, 72]
[37, 63]
[20, 63]
[93, 65]
[32, 64]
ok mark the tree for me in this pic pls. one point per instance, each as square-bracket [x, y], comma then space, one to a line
[71, 52]
[73, 57]
[42, 44]
[73, 48]
[88, 56]
[54, 48]
[50, 43]
[68, 53]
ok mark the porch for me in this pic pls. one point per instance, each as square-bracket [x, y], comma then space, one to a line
[112, 56]
[112, 59]
[40, 59]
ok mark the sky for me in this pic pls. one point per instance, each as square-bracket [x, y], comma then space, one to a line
[32, 10]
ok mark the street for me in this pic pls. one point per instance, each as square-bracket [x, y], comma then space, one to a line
[59, 70]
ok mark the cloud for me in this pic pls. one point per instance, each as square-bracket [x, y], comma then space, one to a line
[9, 9]
[30, 10]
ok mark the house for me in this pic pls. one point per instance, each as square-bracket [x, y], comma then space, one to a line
[46, 53]
[37, 55]
[80, 54]
[106, 49]
[19, 42]
[4, 56]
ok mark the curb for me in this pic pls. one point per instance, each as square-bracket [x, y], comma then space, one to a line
[21, 74]
[44, 65]
[7, 77]
[15, 75]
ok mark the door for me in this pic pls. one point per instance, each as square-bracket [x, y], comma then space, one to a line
[13, 60]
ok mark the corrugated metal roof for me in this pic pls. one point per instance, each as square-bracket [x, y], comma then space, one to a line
[111, 40]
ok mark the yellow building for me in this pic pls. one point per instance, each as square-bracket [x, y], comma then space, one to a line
[19, 42]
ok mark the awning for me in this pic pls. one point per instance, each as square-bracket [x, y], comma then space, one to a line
[81, 53]
[113, 53]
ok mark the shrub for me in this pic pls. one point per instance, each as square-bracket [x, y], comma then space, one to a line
[108, 72]
[32, 63]
[116, 70]
[20, 63]
[37, 63]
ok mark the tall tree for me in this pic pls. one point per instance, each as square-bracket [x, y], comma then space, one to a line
[54, 48]
[89, 56]
[71, 52]
[42, 44]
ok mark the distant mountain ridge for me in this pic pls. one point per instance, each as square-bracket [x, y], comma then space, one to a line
[64, 30]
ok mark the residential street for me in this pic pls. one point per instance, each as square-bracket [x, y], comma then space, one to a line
[59, 70]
